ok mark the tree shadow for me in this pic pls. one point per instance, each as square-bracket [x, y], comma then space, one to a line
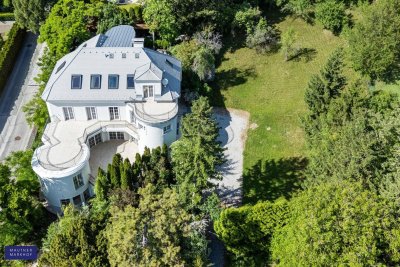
[271, 179]
[306, 54]
[225, 79]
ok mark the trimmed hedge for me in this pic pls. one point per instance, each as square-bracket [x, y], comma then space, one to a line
[7, 16]
[9, 53]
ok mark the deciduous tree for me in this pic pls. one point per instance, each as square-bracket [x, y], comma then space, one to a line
[337, 223]
[374, 42]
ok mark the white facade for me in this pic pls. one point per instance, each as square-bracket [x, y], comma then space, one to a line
[110, 87]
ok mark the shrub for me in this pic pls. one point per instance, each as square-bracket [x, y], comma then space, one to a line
[264, 38]
[9, 52]
[332, 15]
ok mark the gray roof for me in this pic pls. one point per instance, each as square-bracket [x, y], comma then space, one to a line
[89, 58]
[120, 36]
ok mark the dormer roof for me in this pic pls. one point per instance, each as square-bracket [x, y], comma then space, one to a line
[110, 54]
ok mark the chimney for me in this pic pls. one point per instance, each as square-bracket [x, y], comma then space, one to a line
[138, 42]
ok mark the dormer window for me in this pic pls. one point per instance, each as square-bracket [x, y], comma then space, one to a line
[130, 81]
[95, 81]
[113, 80]
[148, 91]
[76, 82]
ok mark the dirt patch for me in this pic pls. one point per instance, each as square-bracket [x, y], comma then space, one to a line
[253, 126]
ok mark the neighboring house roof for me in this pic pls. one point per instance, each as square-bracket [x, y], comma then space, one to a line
[110, 54]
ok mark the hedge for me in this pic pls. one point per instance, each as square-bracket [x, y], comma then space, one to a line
[9, 53]
[7, 16]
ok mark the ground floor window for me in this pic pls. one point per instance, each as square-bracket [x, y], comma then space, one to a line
[77, 200]
[68, 113]
[91, 113]
[116, 135]
[78, 181]
[114, 113]
[95, 140]
[167, 129]
[65, 202]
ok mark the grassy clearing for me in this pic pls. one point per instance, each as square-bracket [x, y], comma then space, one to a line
[273, 92]
[128, 6]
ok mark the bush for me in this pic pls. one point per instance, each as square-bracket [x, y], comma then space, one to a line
[332, 15]
[9, 52]
[264, 38]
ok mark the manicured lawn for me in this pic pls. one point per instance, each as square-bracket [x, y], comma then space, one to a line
[272, 91]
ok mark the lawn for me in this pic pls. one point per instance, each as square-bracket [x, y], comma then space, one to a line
[272, 90]
[128, 6]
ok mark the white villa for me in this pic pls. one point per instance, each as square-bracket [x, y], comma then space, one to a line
[109, 88]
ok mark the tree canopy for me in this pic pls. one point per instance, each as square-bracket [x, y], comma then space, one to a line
[197, 154]
[30, 14]
[337, 223]
[374, 42]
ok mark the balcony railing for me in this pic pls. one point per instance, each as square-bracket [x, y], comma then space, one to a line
[59, 166]
[42, 154]
[139, 110]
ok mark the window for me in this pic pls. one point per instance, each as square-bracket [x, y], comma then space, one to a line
[62, 65]
[148, 91]
[64, 202]
[95, 140]
[68, 113]
[111, 55]
[133, 119]
[91, 113]
[137, 55]
[130, 81]
[113, 80]
[114, 113]
[76, 82]
[78, 181]
[77, 200]
[95, 81]
[169, 63]
[123, 55]
[167, 129]
[116, 135]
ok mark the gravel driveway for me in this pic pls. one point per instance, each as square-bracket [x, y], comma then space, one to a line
[233, 133]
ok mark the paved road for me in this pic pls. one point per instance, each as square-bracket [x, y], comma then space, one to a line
[15, 133]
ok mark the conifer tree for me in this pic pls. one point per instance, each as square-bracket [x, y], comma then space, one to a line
[126, 175]
[326, 86]
[197, 154]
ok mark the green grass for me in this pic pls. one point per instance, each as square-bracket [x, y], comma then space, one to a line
[128, 6]
[272, 90]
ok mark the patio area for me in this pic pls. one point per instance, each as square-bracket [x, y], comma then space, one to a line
[101, 155]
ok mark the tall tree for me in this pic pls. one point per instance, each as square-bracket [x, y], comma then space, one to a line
[247, 231]
[126, 175]
[323, 88]
[375, 43]
[197, 154]
[151, 234]
[30, 14]
[66, 26]
[102, 185]
[338, 223]
[70, 241]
